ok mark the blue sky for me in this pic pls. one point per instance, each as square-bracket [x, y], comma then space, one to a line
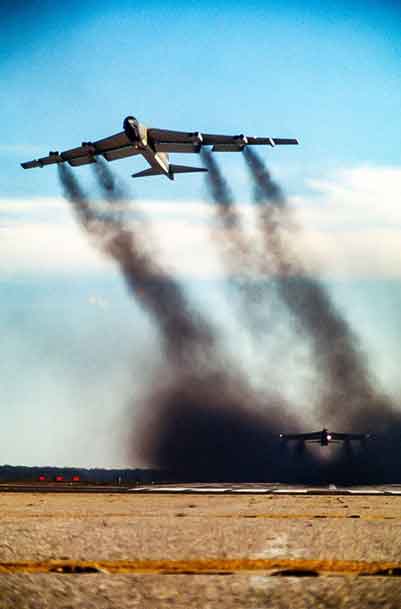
[323, 72]
[326, 73]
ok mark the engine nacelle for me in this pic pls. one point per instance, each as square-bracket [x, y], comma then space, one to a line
[91, 148]
[197, 138]
[197, 141]
[241, 141]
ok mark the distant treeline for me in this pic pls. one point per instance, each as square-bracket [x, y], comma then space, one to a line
[19, 473]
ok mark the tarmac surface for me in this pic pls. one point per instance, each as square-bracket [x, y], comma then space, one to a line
[200, 546]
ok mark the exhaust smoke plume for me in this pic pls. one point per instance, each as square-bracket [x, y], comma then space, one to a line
[350, 398]
[219, 189]
[232, 241]
[243, 262]
[158, 293]
[199, 420]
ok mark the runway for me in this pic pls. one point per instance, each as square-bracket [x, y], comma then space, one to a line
[197, 545]
[272, 489]
[208, 489]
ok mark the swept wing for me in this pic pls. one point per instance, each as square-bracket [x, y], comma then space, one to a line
[302, 436]
[180, 141]
[344, 437]
[115, 147]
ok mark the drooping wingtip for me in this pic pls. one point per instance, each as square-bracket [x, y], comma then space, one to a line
[30, 164]
[284, 141]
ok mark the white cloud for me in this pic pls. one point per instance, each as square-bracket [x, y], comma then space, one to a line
[351, 226]
[354, 198]
[351, 222]
[42, 236]
[46, 247]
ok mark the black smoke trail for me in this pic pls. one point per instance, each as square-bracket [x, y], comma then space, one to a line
[220, 190]
[230, 238]
[204, 422]
[246, 268]
[199, 418]
[350, 395]
[112, 189]
[158, 293]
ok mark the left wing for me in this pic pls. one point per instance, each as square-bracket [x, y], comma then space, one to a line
[53, 157]
[115, 147]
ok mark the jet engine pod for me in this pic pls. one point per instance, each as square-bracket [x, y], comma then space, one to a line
[91, 147]
[237, 144]
[54, 157]
[197, 140]
[241, 140]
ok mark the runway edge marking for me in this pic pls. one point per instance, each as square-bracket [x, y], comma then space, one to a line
[216, 566]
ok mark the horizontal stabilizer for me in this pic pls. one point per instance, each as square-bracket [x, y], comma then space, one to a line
[152, 171]
[185, 169]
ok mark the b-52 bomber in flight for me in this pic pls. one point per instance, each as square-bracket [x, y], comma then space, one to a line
[325, 437]
[154, 145]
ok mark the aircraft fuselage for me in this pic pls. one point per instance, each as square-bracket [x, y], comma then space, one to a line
[137, 133]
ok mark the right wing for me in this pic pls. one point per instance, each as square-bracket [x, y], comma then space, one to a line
[164, 140]
[112, 148]
[301, 436]
[343, 437]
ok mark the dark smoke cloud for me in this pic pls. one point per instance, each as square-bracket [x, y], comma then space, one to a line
[214, 427]
[350, 397]
[199, 419]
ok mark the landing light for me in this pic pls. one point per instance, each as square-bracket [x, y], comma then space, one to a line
[329, 437]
